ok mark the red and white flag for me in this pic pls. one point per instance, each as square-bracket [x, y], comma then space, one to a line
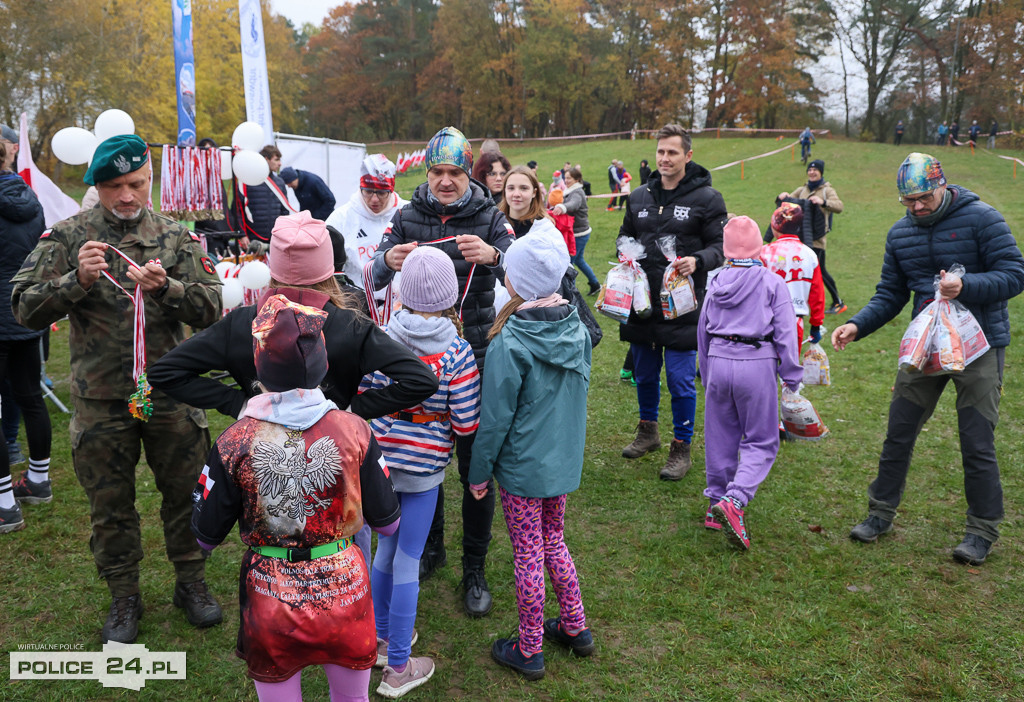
[56, 205]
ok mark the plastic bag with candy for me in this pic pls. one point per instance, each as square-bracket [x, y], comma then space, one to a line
[801, 421]
[944, 337]
[816, 368]
[677, 293]
[626, 285]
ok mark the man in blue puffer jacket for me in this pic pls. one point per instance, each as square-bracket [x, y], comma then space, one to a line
[944, 225]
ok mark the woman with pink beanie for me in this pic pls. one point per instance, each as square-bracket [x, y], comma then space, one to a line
[745, 337]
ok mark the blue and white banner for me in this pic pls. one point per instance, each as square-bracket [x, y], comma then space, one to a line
[254, 67]
[184, 71]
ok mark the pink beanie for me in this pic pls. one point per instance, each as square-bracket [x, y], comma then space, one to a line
[300, 250]
[742, 238]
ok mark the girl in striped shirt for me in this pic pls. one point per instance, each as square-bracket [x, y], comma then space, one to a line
[417, 445]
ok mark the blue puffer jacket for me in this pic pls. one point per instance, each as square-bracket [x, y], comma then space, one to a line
[973, 234]
[21, 223]
[314, 195]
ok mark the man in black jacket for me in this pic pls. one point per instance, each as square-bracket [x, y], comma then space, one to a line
[678, 201]
[456, 214]
[311, 191]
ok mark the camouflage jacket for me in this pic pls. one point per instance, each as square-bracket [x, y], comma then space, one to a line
[102, 318]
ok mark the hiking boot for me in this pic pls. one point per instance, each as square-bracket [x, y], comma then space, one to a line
[581, 644]
[646, 440]
[836, 308]
[201, 609]
[32, 493]
[870, 529]
[11, 519]
[506, 652]
[382, 649]
[122, 623]
[434, 557]
[973, 550]
[678, 462]
[417, 671]
[14, 454]
[595, 288]
[477, 600]
[729, 512]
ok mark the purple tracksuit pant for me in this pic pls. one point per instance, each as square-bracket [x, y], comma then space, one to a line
[741, 425]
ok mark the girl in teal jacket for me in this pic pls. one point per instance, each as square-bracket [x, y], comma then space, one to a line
[532, 431]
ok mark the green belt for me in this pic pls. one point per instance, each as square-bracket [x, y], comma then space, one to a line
[303, 554]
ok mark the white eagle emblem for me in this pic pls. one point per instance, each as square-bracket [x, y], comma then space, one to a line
[641, 214]
[290, 480]
[121, 164]
[681, 213]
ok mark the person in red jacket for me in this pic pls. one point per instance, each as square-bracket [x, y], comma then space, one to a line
[798, 266]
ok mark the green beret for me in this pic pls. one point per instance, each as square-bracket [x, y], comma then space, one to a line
[116, 156]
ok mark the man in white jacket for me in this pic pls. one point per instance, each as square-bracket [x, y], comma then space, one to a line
[363, 219]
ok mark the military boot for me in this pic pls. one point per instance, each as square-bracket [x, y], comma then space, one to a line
[123, 619]
[678, 462]
[646, 440]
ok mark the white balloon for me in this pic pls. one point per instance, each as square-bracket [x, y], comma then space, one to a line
[113, 123]
[250, 167]
[254, 275]
[231, 293]
[223, 268]
[225, 164]
[248, 135]
[74, 145]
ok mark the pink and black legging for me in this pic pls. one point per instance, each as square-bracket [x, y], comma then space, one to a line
[536, 527]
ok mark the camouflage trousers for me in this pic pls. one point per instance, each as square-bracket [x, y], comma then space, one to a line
[105, 449]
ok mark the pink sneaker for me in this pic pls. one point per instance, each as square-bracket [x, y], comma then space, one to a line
[382, 649]
[729, 512]
[710, 522]
[394, 685]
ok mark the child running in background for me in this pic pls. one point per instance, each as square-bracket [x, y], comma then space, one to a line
[417, 444]
[797, 264]
[299, 476]
[746, 335]
[532, 432]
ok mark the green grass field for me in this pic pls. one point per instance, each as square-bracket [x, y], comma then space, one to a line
[677, 615]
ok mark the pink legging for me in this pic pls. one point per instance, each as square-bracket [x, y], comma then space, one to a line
[536, 527]
[346, 685]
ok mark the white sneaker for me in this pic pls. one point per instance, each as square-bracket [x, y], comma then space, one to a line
[394, 685]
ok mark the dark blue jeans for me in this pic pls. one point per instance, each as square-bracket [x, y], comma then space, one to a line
[577, 260]
[680, 369]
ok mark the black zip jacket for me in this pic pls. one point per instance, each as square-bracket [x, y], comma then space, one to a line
[355, 347]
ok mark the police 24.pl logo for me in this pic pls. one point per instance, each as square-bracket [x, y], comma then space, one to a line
[117, 665]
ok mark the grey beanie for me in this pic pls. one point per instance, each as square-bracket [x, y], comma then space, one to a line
[535, 264]
[428, 281]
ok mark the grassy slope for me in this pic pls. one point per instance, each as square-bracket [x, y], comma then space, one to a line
[677, 615]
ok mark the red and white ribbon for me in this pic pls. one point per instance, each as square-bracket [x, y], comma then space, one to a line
[139, 331]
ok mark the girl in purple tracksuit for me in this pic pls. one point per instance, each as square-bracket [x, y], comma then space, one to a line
[746, 335]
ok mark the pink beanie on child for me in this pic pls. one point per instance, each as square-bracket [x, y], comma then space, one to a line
[742, 238]
[301, 252]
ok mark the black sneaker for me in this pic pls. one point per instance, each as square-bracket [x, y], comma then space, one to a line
[122, 623]
[506, 652]
[32, 493]
[973, 550]
[11, 519]
[581, 644]
[478, 600]
[201, 609]
[870, 529]
[595, 288]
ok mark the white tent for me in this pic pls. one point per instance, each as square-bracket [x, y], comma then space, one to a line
[337, 162]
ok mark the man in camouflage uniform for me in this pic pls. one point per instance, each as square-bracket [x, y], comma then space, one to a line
[62, 276]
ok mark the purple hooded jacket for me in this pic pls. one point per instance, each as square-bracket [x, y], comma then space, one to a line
[751, 303]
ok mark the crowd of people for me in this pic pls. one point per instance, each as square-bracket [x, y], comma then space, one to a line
[346, 426]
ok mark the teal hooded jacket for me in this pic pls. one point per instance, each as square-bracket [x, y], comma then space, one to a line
[533, 419]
